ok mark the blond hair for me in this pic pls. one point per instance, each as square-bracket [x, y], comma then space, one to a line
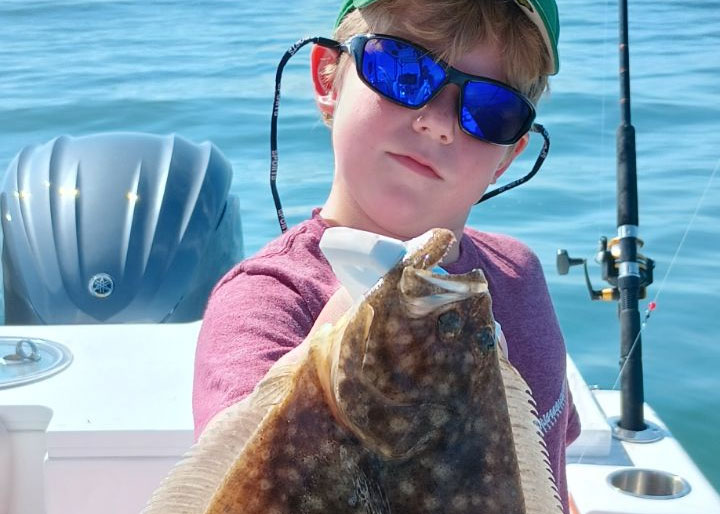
[451, 28]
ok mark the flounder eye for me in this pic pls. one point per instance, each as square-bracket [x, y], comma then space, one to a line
[485, 338]
[449, 325]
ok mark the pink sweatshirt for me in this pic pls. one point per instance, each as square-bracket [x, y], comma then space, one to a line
[267, 304]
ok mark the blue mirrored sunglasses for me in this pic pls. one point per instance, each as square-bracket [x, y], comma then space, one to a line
[409, 75]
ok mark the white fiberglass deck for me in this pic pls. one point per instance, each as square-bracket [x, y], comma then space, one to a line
[100, 435]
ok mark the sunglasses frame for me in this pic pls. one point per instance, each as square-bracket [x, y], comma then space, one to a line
[355, 46]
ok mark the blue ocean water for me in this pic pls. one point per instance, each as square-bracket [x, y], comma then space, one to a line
[206, 70]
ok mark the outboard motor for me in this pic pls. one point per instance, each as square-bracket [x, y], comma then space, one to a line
[116, 228]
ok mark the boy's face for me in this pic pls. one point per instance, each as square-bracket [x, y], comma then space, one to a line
[400, 171]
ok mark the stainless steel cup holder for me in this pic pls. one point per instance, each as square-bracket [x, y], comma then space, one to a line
[649, 483]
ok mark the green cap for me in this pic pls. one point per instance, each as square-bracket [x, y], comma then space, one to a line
[543, 13]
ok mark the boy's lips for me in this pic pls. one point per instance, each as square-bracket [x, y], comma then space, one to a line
[416, 164]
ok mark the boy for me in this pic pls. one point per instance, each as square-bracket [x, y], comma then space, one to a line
[409, 156]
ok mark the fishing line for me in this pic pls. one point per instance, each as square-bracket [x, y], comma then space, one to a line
[687, 229]
[603, 102]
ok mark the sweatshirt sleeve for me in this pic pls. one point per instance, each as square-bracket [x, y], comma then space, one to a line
[251, 320]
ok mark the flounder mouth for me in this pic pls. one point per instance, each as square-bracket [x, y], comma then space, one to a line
[427, 250]
[423, 291]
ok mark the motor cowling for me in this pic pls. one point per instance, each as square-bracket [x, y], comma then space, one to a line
[116, 228]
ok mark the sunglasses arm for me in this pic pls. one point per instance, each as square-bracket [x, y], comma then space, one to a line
[322, 41]
[536, 127]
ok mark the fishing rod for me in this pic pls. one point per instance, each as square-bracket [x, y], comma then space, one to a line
[628, 272]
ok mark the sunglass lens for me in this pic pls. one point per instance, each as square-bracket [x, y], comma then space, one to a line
[400, 71]
[494, 113]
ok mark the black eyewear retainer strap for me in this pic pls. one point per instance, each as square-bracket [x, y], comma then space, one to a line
[329, 43]
[322, 41]
[536, 127]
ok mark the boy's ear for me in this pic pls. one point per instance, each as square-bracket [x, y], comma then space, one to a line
[513, 152]
[325, 94]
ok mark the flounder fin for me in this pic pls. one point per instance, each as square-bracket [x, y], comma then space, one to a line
[191, 484]
[538, 484]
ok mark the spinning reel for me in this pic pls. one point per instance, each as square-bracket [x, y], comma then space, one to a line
[608, 256]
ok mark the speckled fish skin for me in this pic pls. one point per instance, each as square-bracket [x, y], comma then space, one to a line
[399, 408]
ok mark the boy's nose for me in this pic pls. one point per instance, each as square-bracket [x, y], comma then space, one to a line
[438, 119]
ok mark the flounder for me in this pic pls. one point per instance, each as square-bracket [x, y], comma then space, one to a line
[404, 406]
